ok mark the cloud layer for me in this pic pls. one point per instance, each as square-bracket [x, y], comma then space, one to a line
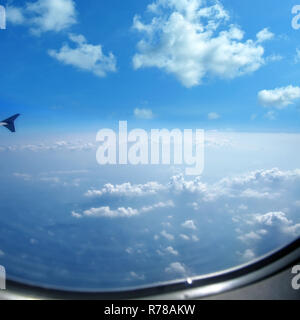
[259, 207]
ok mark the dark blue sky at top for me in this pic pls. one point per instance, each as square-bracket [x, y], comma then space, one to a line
[58, 97]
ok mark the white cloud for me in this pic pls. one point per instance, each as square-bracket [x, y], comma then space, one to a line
[249, 237]
[85, 56]
[135, 276]
[107, 212]
[256, 185]
[145, 114]
[293, 230]
[264, 35]
[279, 98]
[14, 15]
[129, 250]
[271, 222]
[213, 116]
[176, 267]
[178, 184]
[183, 39]
[189, 224]
[184, 237]
[122, 212]
[273, 219]
[1, 253]
[172, 251]
[127, 189]
[44, 15]
[248, 255]
[167, 235]
[167, 204]
[76, 215]
[195, 238]
[260, 177]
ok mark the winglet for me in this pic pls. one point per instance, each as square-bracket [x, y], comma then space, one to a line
[10, 123]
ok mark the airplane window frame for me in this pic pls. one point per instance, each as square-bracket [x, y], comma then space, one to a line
[196, 288]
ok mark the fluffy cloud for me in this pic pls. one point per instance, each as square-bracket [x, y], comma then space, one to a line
[274, 224]
[127, 189]
[189, 224]
[146, 114]
[44, 15]
[172, 251]
[184, 237]
[272, 218]
[107, 212]
[58, 15]
[188, 39]
[259, 184]
[85, 56]
[76, 215]
[167, 235]
[255, 185]
[248, 255]
[124, 212]
[279, 98]
[159, 205]
[264, 35]
[231, 201]
[176, 267]
[249, 236]
[14, 15]
[278, 220]
[135, 276]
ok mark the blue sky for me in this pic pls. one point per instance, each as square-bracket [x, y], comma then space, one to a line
[72, 68]
[58, 96]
